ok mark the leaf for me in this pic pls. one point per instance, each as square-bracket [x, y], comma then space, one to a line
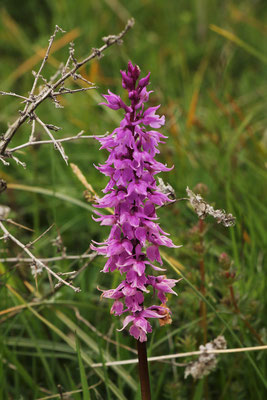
[203, 298]
[233, 38]
[47, 192]
[71, 343]
[86, 392]
[93, 345]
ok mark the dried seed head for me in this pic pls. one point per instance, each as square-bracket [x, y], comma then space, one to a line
[166, 320]
[206, 362]
[202, 208]
[166, 188]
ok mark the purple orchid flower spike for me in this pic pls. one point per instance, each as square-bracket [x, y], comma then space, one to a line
[133, 244]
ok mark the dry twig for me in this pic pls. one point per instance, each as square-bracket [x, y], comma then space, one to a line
[57, 145]
[181, 355]
[49, 88]
[36, 261]
[32, 142]
[49, 259]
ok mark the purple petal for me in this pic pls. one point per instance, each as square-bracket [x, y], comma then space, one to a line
[153, 254]
[138, 333]
[126, 321]
[140, 234]
[117, 308]
[144, 81]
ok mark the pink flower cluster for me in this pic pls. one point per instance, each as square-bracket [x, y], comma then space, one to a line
[135, 236]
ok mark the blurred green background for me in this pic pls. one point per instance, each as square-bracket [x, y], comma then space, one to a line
[208, 71]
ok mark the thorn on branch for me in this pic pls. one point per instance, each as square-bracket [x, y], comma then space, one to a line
[71, 51]
[97, 53]
[8, 154]
[57, 29]
[55, 101]
[64, 90]
[112, 39]
[79, 76]
[14, 95]
[57, 144]
[23, 164]
[32, 135]
[4, 161]
[4, 238]
[53, 127]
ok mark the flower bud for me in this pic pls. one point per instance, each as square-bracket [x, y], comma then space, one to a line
[225, 261]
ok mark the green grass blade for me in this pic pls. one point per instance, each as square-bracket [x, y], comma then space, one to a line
[93, 345]
[47, 192]
[105, 372]
[233, 38]
[22, 371]
[72, 344]
[199, 390]
[86, 392]
[203, 298]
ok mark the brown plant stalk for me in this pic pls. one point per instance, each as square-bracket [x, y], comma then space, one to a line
[143, 370]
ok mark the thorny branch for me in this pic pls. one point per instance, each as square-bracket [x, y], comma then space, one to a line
[50, 42]
[79, 135]
[88, 253]
[36, 261]
[14, 95]
[49, 89]
[57, 145]
[50, 259]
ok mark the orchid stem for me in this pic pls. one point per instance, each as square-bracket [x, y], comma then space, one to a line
[143, 371]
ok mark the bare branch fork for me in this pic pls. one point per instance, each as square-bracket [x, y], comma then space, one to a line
[49, 90]
[36, 261]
